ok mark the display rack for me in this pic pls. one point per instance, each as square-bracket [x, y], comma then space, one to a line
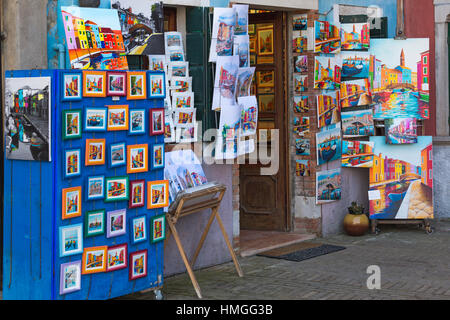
[421, 223]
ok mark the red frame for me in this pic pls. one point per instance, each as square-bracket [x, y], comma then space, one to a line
[115, 94]
[157, 133]
[130, 204]
[130, 273]
[108, 269]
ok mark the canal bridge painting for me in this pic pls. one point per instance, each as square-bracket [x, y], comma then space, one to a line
[401, 180]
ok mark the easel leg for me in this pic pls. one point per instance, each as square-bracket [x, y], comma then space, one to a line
[185, 260]
[202, 240]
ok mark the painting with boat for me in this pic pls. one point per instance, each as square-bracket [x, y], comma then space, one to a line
[355, 93]
[357, 154]
[328, 108]
[358, 123]
[329, 145]
[328, 186]
[355, 65]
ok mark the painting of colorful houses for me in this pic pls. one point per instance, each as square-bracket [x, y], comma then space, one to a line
[328, 109]
[301, 125]
[328, 186]
[355, 36]
[327, 73]
[300, 83]
[358, 123]
[299, 43]
[355, 65]
[301, 104]
[94, 38]
[301, 64]
[249, 115]
[401, 180]
[357, 154]
[329, 145]
[303, 168]
[401, 130]
[400, 78]
[355, 93]
[226, 20]
[327, 37]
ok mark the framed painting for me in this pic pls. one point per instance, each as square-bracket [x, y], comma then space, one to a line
[95, 188]
[71, 124]
[117, 155]
[117, 189]
[136, 85]
[157, 121]
[265, 79]
[157, 194]
[137, 158]
[116, 223]
[118, 118]
[137, 197]
[187, 135]
[72, 163]
[94, 260]
[158, 152]
[70, 277]
[157, 85]
[185, 117]
[117, 84]
[169, 130]
[72, 84]
[265, 42]
[70, 240]
[137, 122]
[71, 203]
[95, 119]
[138, 265]
[94, 84]
[139, 228]
[95, 152]
[182, 100]
[94, 223]
[117, 257]
[266, 102]
[158, 228]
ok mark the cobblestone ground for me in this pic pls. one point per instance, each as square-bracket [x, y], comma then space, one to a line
[414, 265]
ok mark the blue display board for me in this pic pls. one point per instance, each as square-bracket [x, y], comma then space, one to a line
[33, 207]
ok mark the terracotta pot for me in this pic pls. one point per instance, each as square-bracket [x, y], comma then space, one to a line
[356, 224]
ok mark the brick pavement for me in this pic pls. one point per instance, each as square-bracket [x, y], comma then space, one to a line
[414, 265]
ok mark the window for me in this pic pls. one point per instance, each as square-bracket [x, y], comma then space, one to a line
[425, 60]
[425, 71]
[430, 174]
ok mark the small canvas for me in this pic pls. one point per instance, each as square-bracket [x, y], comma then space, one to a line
[328, 109]
[355, 36]
[328, 186]
[327, 73]
[303, 168]
[327, 37]
[358, 123]
[401, 130]
[357, 154]
[356, 93]
[355, 65]
[329, 146]
[303, 147]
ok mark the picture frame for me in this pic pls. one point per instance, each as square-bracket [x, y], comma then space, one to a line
[138, 122]
[182, 100]
[178, 69]
[94, 223]
[157, 118]
[95, 152]
[158, 161]
[157, 85]
[137, 158]
[181, 84]
[117, 84]
[72, 86]
[169, 129]
[71, 124]
[70, 240]
[95, 119]
[116, 223]
[185, 117]
[117, 257]
[187, 134]
[265, 42]
[118, 118]
[138, 265]
[157, 194]
[72, 163]
[117, 154]
[137, 194]
[116, 189]
[94, 260]
[95, 188]
[71, 203]
[265, 79]
[70, 277]
[158, 228]
[136, 85]
[94, 84]
[139, 229]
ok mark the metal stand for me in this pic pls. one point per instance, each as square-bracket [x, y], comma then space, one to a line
[421, 223]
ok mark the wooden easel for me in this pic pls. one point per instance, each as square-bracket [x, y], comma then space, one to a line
[192, 201]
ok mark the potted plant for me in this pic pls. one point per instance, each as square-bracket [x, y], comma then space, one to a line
[356, 222]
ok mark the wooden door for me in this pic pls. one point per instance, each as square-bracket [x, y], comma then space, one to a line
[263, 199]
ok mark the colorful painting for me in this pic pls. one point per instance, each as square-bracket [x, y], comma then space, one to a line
[265, 42]
[169, 129]
[117, 154]
[328, 186]
[139, 228]
[116, 223]
[94, 84]
[242, 49]
[95, 119]
[70, 240]
[95, 188]
[300, 83]
[94, 38]
[157, 117]
[157, 63]
[178, 69]
[302, 168]
[401, 78]
[249, 115]
[137, 121]
[327, 37]
[117, 189]
[137, 197]
[173, 40]
[157, 83]
[158, 226]
[117, 84]
[137, 158]
[117, 257]
[303, 147]
[355, 93]
[158, 194]
[357, 123]
[355, 65]
[300, 22]
[266, 102]
[357, 154]
[401, 180]
[72, 163]
[187, 134]
[301, 64]
[355, 36]
[301, 104]
[71, 203]
[328, 109]
[94, 223]
[301, 125]
[401, 130]
[299, 42]
[118, 118]
[71, 124]
[72, 86]
[329, 146]
[182, 100]
[185, 117]
[226, 77]
[327, 73]
[241, 26]
[228, 134]
[94, 260]
[138, 265]
[70, 277]
[180, 84]
[158, 156]
[137, 86]
[224, 20]
[244, 81]
[95, 152]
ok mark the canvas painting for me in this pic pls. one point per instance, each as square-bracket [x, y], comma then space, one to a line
[327, 73]
[327, 37]
[157, 62]
[241, 26]
[244, 81]
[70, 240]
[96, 188]
[72, 84]
[301, 125]
[358, 123]
[300, 83]
[328, 186]
[303, 147]
[225, 83]
[94, 260]
[300, 22]
[95, 119]
[328, 109]
[355, 93]
[181, 84]
[157, 117]
[138, 265]
[139, 228]
[301, 104]
[178, 69]
[169, 130]
[116, 223]
[401, 130]
[401, 180]
[299, 42]
[301, 64]
[117, 84]
[329, 146]
[355, 36]
[357, 154]
[249, 115]
[158, 194]
[182, 100]
[94, 223]
[303, 168]
[355, 65]
[117, 257]
[224, 21]
[173, 40]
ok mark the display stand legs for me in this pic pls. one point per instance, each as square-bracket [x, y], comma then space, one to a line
[421, 223]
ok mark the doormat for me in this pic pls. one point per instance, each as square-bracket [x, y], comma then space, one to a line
[301, 251]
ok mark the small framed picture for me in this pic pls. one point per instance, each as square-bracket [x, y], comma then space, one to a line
[116, 189]
[136, 85]
[137, 158]
[117, 118]
[71, 124]
[95, 119]
[157, 194]
[70, 240]
[117, 155]
[70, 277]
[94, 223]
[117, 84]
[138, 265]
[72, 163]
[71, 203]
[157, 121]
[180, 84]
[178, 69]
[158, 228]
[175, 54]
[94, 260]
[72, 84]
[139, 228]
[94, 84]
[137, 122]
[184, 117]
[137, 197]
[169, 130]
[187, 134]
[95, 188]
[157, 85]
[183, 100]
[95, 152]
[158, 151]
[117, 257]
[116, 223]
